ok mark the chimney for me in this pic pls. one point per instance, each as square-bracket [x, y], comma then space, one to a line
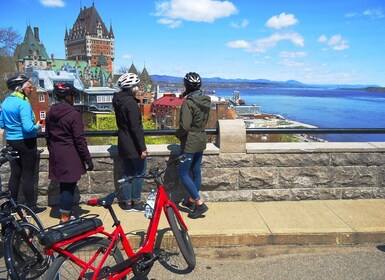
[36, 31]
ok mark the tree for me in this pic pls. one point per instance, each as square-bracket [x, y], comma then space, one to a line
[9, 39]
[123, 70]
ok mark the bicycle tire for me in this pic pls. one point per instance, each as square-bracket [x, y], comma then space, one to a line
[20, 260]
[30, 217]
[182, 238]
[62, 268]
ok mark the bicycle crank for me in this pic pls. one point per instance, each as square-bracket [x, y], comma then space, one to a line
[143, 265]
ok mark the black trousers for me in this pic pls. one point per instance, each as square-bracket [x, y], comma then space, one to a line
[23, 169]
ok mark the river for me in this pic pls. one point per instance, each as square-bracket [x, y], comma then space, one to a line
[325, 108]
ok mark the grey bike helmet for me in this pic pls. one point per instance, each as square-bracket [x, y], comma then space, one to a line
[128, 80]
[17, 81]
[192, 81]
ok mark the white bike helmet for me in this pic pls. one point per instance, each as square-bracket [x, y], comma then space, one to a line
[128, 80]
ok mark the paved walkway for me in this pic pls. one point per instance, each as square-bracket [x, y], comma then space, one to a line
[263, 223]
[260, 223]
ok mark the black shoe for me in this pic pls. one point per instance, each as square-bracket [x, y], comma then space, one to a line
[198, 211]
[122, 205]
[38, 210]
[188, 204]
[138, 206]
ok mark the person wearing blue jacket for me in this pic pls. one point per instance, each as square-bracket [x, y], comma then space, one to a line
[20, 125]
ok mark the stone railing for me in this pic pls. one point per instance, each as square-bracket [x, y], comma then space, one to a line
[234, 170]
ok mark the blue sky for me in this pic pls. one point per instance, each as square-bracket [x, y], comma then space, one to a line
[320, 42]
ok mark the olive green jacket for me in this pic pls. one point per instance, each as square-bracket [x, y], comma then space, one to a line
[194, 115]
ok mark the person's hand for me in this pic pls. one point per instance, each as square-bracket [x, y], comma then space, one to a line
[40, 124]
[144, 155]
[90, 165]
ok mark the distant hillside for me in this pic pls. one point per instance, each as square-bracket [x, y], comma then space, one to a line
[246, 83]
[220, 82]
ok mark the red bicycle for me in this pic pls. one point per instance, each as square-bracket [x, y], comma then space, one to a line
[84, 254]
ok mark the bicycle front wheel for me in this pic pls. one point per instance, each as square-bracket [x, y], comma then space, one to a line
[91, 250]
[27, 215]
[182, 238]
[20, 259]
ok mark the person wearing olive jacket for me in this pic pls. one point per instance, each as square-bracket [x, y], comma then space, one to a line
[69, 156]
[194, 115]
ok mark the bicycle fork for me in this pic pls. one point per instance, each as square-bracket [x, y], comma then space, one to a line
[29, 241]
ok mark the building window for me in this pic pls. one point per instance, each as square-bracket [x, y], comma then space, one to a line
[41, 98]
[104, 99]
[42, 115]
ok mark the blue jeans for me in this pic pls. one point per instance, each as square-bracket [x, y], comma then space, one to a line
[132, 167]
[67, 191]
[194, 164]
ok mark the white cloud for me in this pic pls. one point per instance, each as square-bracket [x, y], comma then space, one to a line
[291, 63]
[127, 56]
[336, 42]
[374, 13]
[322, 39]
[350, 15]
[262, 45]
[243, 24]
[197, 10]
[292, 54]
[239, 44]
[170, 22]
[282, 21]
[52, 3]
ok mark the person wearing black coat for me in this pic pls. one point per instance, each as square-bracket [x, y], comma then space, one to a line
[131, 144]
[69, 157]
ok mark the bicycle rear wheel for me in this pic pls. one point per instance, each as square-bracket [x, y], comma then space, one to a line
[20, 260]
[182, 238]
[63, 268]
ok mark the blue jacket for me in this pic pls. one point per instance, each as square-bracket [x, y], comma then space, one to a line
[17, 118]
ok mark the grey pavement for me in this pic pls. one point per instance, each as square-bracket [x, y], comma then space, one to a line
[326, 222]
[264, 223]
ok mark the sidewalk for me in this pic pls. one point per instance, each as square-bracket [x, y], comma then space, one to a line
[332, 222]
[265, 223]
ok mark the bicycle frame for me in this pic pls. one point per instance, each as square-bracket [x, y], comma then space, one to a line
[162, 202]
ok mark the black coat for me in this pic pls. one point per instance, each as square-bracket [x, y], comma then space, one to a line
[130, 129]
[67, 146]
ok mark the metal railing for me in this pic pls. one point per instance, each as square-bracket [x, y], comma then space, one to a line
[214, 131]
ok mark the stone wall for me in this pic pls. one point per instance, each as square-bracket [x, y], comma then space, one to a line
[256, 171]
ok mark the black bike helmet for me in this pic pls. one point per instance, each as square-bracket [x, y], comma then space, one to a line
[192, 81]
[63, 90]
[17, 81]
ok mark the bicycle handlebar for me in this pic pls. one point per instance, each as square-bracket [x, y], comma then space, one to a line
[6, 154]
[5, 194]
[153, 173]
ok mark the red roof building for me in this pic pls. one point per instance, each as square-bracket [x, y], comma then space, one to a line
[165, 111]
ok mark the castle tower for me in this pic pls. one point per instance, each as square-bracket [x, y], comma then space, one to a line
[31, 52]
[89, 39]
